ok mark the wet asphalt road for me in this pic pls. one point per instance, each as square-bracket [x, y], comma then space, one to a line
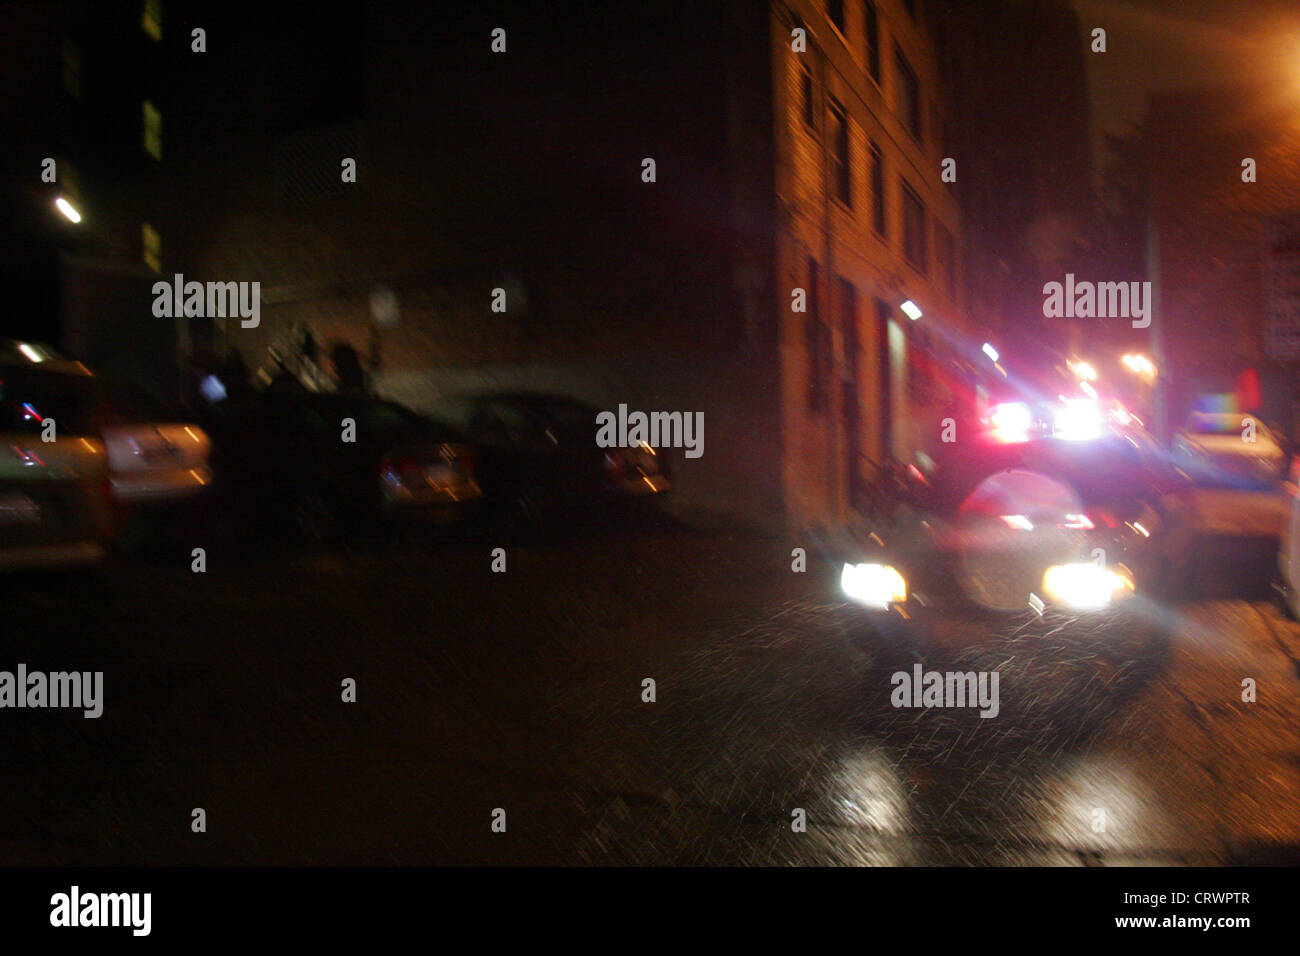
[522, 691]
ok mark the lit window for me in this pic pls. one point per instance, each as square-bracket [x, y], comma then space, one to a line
[152, 130]
[151, 19]
[152, 244]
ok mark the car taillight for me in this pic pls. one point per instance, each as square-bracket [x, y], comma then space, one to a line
[1105, 517]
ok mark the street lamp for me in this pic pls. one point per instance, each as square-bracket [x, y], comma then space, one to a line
[911, 310]
[67, 209]
[1140, 365]
[1083, 371]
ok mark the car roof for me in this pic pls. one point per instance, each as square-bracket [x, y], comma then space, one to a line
[37, 356]
[65, 367]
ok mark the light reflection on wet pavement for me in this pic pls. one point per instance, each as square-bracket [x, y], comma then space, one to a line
[1114, 745]
[1129, 751]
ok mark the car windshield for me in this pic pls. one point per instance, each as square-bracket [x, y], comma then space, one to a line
[30, 399]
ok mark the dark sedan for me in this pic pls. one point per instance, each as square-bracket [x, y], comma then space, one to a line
[334, 465]
[541, 459]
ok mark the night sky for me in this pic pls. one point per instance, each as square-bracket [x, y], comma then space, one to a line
[1155, 45]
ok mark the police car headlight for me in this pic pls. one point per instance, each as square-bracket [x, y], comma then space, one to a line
[875, 585]
[1086, 586]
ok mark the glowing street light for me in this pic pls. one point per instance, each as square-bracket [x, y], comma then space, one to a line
[1139, 365]
[1083, 371]
[911, 309]
[67, 209]
[991, 352]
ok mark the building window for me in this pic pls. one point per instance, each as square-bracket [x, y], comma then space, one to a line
[878, 220]
[835, 10]
[908, 96]
[817, 342]
[71, 68]
[151, 19]
[945, 254]
[871, 21]
[807, 98]
[152, 130]
[152, 245]
[842, 168]
[938, 130]
[913, 228]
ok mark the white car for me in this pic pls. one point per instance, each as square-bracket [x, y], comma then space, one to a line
[1229, 449]
[154, 454]
[53, 507]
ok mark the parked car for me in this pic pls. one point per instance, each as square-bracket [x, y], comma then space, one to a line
[542, 462]
[333, 465]
[1229, 450]
[155, 453]
[53, 494]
